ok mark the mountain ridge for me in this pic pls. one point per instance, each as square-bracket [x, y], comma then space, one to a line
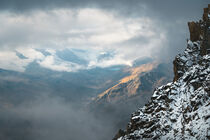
[130, 92]
[180, 109]
[135, 83]
[135, 72]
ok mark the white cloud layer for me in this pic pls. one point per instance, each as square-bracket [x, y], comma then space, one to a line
[10, 61]
[52, 63]
[87, 29]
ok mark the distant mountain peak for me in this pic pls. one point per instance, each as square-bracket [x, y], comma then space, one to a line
[132, 78]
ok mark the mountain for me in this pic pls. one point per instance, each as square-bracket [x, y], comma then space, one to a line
[78, 87]
[28, 99]
[69, 55]
[180, 109]
[116, 103]
[142, 80]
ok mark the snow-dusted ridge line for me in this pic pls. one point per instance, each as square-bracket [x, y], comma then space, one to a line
[178, 110]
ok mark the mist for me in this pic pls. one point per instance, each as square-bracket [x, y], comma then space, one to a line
[132, 29]
[51, 118]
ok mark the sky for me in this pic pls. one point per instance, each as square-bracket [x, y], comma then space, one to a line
[128, 29]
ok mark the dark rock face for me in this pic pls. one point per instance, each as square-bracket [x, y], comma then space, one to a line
[181, 109]
[195, 30]
[205, 46]
[199, 31]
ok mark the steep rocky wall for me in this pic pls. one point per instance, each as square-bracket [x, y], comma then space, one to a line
[181, 109]
[199, 31]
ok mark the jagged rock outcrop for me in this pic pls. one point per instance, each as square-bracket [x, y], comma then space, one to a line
[181, 109]
[199, 31]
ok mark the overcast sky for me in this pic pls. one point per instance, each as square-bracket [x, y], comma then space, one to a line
[129, 28]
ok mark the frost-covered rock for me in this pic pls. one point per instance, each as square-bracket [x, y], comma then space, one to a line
[181, 109]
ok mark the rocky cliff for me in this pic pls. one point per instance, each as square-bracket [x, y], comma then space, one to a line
[181, 109]
[199, 31]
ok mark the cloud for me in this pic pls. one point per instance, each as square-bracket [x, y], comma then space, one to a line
[53, 63]
[85, 29]
[13, 79]
[50, 59]
[69, 28]
[52, 118]
[167, 9]
[11, 61]
[131, 29]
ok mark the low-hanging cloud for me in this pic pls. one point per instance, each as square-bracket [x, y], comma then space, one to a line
[71, 28]
[131, 28]
[86, 29]
[52, 118]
